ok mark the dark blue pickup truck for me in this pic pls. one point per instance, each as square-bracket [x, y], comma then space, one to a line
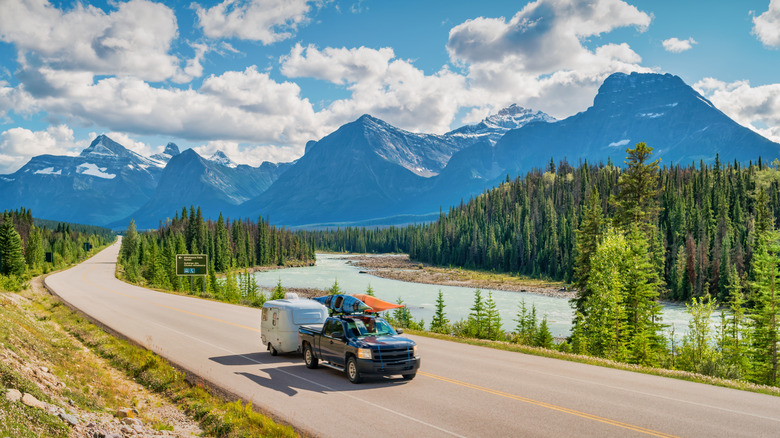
[359, 344]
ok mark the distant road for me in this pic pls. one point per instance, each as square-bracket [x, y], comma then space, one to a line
[461, 390]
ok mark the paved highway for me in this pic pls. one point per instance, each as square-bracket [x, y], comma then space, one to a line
[461, 390]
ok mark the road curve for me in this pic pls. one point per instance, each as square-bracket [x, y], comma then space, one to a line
[461, 390]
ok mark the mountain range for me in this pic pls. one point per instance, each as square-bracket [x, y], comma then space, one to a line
[369, 172]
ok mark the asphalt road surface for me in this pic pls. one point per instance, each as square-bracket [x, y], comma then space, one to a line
[460, 390]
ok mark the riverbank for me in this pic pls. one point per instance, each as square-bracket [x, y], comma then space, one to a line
[399, 267]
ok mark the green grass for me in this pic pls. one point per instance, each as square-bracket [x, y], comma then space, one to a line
[216, 416]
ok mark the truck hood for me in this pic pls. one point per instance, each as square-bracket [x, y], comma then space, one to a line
[386, 341]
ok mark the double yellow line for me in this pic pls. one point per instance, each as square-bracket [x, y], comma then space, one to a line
[433, 376]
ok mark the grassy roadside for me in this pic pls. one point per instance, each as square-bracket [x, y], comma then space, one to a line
[554, 354]
[90, 374]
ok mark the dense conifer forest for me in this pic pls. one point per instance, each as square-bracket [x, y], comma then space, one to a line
[705, 224]
[25, 241]
[149, 258]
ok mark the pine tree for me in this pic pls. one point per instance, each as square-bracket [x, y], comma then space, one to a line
[636, 200]
[696, 352]
[476, 322]
[130, 242]
[642, 311]
[766, 312]
[544, 338]
[370, 290]
[604, 321]
[11, 249]
[277, 293]
[589, 235]
[440, 323]
[34, 251]
[492, 319]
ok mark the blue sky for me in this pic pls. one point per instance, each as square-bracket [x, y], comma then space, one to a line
[258, 78]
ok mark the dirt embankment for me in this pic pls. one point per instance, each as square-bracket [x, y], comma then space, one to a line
[56, 386]
[399, 267]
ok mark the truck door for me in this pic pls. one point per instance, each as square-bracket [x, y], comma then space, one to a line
[333, 342]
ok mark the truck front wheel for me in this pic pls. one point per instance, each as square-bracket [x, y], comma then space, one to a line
[309, 358]
[352, 370]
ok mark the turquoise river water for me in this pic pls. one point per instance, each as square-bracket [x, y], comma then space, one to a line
[421, 298]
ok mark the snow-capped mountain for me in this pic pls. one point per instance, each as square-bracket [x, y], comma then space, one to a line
[659, 109]
[495, 126]
[219, 157]
[105, 182]
[171, 150]
[372, 173]
[217, 186]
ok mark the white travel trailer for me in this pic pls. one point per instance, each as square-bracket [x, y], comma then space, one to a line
[281, 318]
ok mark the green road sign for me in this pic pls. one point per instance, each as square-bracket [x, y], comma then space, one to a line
[191, 264]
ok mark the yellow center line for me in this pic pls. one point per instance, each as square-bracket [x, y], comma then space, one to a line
[550, 406]
[433, 376]
[84, 277]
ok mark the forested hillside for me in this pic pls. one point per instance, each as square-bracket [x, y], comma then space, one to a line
[150, 257]
[24, 242]
[527, 226]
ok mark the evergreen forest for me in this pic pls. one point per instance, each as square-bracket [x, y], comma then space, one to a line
[704, 225]
[25, 242]
[149, 258]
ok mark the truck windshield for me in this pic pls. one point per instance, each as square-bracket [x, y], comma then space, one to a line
[370, 326]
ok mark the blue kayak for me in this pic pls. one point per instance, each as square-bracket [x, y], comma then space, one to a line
[343, 303]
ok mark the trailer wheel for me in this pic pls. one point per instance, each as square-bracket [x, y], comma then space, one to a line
[352, 370]
[272, 350]
[309, 358]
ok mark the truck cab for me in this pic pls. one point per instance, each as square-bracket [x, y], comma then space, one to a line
[359, 344]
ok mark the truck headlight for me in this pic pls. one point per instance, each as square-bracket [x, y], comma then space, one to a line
[414, 351]
[365, 353]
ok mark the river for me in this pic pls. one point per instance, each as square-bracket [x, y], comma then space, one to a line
[421, 298]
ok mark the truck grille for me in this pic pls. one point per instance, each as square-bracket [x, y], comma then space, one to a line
[392, 356]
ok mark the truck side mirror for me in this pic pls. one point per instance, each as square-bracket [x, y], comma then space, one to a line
[400, 331]
[338, 335]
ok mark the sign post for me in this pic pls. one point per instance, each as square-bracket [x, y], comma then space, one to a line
[192, 265]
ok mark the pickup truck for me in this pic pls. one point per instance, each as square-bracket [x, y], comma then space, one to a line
[359, 344]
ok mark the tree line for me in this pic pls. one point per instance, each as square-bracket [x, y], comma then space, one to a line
[150, 257]
[25, 242]
[705, 223]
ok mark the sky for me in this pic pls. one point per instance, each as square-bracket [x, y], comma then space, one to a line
[257, 79]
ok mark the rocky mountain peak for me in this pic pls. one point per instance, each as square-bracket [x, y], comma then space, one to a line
[103, 146]
[219, 157]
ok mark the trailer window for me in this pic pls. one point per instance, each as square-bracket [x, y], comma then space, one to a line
[308, 316]
[276, 317]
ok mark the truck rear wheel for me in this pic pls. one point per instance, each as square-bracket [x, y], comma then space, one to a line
[352, 370]
[309, 358]
[272, 350]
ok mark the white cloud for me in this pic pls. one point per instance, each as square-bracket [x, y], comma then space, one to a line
[391, 89]
[755, 107]
[767, 25]
[244, 105]
[676, 45]
[18, 145]
[267, 21]
[339, 66]
[133, 40]
[537, 58]
[543, 36]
